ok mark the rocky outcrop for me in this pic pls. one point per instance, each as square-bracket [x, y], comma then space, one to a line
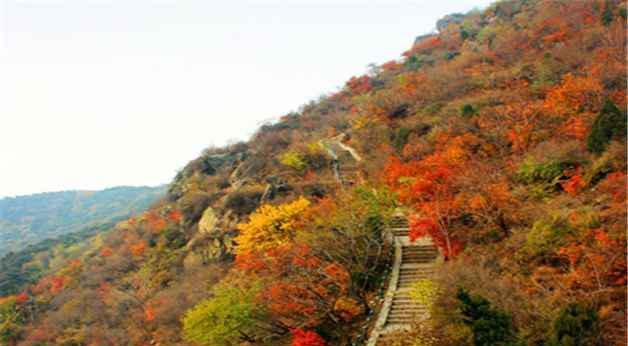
[211, 242]
[422, 38]
[444, 22]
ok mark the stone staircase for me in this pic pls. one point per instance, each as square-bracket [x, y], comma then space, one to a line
[413, 261]
[345, 160]
[349, 175]
[399, 226]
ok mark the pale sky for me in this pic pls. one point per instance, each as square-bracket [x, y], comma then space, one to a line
[100, 93]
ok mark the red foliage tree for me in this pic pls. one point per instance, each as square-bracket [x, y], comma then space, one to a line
[301, 337]
[22, 298]
[303, 288]
[175, 216]
[359, 85]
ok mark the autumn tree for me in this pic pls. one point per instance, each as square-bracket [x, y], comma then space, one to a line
[227, 318]
[271, 226]
[302, 337]
[300, 288]
[610, 123]
[350, 230]
[11, 320]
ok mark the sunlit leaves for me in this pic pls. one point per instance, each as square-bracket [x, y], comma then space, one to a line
[271, 226]
[226, 318]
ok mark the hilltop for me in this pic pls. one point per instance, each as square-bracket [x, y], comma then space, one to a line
[501, 138]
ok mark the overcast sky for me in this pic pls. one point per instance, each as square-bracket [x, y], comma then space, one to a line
[99, 93]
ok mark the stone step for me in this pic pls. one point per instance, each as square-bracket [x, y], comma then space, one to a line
[426, 251]
[419, 247]
[432, 256]
[427, 270]
[411, 260]
[417, 272]
[413, 268]
[416, 275]
[418, 260]
[414, 307]
[394, 340]
[400, 320]
[407, 305]
[427, 248]
[426, 254]
[408, 317]
[429, 257]
[419, 255]
[406, 314]
[407, 282]
[403, 298]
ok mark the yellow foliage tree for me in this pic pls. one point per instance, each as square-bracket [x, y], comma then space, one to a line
[293, 159]
[270, 226]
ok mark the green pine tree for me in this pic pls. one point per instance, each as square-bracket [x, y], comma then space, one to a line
[609, 124]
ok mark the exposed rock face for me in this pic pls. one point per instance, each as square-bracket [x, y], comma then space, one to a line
[448, 19]
[208, 221]
[211, 243]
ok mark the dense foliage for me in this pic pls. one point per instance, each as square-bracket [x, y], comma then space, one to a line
[26, 220]
[502, 136]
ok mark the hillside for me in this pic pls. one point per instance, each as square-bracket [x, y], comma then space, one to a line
[27, 220]
[501, 140]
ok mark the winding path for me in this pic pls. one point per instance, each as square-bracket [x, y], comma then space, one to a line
[413, 261]
[345, 159]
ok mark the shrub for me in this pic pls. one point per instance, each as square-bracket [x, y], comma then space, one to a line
[607, 15]
[294, 160]
[310, 156]
[175, 238]
[575, 325]
[244, 201]
[11, 320]
[315, 190]
[468, 111]
[610, 123]
[600, 168]
[400, 138]
[464, 34]
[547, 172]
[302, 337]
[490, 326]
[547, 235]
[415, 62]
[450, 55]
[223, 319]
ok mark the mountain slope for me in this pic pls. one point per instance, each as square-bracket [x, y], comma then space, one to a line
[502, 137]
[29, 219]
